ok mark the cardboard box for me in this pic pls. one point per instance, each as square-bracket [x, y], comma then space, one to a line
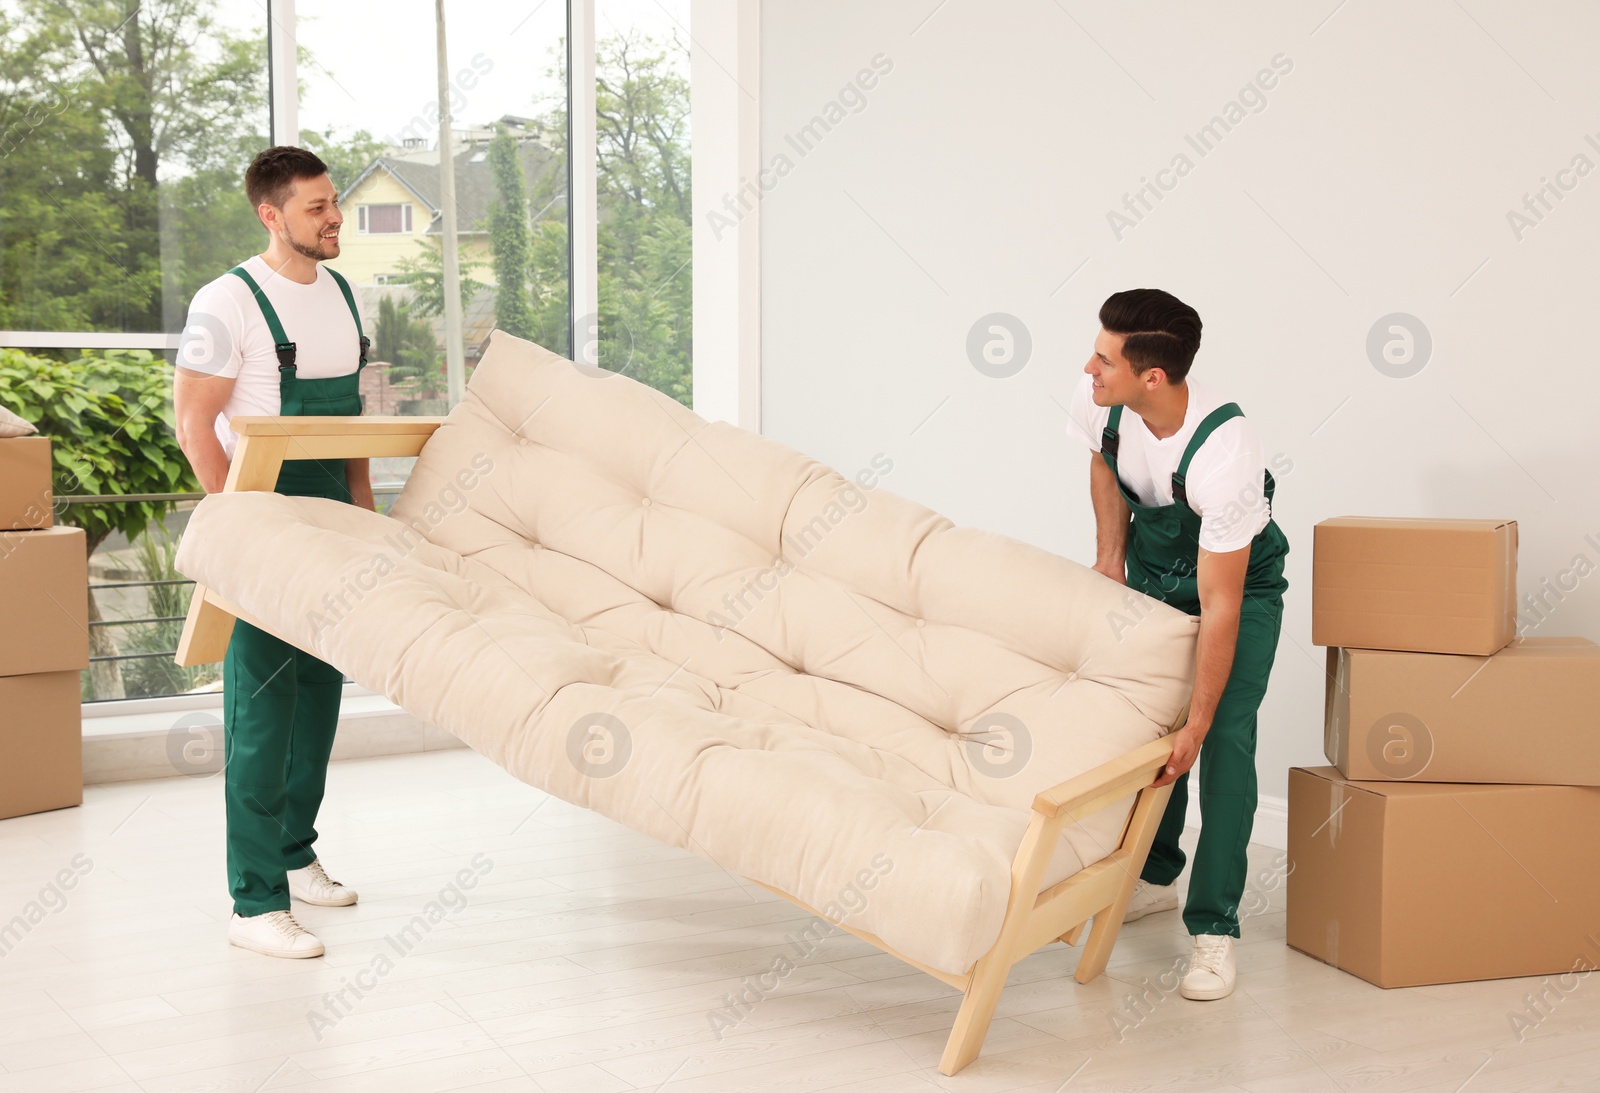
[1529, 714]
[41, 743]
[1428, 586]
[1407, 883]
[44, 601]
[26, 501]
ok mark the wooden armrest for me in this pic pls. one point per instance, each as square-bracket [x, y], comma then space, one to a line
[247, 425]
[1106, 784]
[264, 444]
[337, 437]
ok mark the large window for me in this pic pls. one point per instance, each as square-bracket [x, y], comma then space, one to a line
[125, 128]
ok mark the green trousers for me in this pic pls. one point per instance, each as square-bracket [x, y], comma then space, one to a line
[1227, 769]
[280, 710]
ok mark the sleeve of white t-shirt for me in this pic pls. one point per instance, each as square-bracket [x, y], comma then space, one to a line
[1225, 486]
[1085, 420]
[213, 335]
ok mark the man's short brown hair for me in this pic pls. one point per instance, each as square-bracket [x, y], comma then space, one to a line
[271, 176]
[1162, 331]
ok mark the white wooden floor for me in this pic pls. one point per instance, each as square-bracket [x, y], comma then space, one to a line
[590, 958]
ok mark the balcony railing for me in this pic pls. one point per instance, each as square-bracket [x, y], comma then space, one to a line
[146, 618]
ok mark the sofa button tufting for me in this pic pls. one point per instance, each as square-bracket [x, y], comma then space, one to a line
[524, 441]
[922, 622]
[644, 500]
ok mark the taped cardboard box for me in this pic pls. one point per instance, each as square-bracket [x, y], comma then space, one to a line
[26, 501]
[1427, 586]
[1409, 883]
[44, 601]
[41, 743]
[1528, 714]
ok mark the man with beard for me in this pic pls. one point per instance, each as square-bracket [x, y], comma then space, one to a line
[278, 334]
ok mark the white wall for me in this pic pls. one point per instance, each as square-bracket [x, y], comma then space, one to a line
[1377, 179]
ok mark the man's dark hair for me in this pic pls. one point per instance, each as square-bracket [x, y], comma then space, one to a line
[271, 176]
[1161, 330]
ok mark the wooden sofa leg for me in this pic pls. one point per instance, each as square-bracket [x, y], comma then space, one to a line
[1102, 937]
[977, 1010]
[1141, 832]
[1071, 936]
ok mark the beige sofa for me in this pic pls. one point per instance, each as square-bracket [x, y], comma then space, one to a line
[932, 735]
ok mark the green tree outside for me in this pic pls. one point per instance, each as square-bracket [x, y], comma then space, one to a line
[642, 140]
[508, 239]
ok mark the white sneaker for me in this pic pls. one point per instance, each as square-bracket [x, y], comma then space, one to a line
[1212, 972]
[275, 933]
[1147, 899]
[313, 885]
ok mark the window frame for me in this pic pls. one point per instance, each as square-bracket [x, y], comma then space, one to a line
[364, 217]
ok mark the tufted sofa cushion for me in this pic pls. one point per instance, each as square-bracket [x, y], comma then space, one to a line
[722, 643]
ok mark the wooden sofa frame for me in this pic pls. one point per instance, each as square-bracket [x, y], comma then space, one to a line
[1033, 918]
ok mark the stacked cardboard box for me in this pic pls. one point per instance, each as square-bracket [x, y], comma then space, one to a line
[44, 637]
[1451, 839]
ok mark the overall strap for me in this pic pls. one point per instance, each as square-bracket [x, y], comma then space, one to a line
[1110, 441]
[1226, 412]
[281, 343]
[350, 301]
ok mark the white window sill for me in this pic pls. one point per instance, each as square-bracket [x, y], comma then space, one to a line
[182, 735]
[140, 716]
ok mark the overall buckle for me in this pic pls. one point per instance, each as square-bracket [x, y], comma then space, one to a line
[1109, 442]
[285, 351]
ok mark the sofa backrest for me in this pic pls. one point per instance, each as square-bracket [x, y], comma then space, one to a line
[998, 667]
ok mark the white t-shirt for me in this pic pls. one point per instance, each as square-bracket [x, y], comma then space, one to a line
[227, 335]
[1225, 478]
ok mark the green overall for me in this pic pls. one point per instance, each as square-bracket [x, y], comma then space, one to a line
[281, 704]
[1163, 562]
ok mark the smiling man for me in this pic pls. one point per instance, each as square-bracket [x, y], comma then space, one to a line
[278, 334]
[1182, 501]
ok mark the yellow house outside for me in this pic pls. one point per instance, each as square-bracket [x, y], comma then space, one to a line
[392, 212]
[372, 257]
[392, 206]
